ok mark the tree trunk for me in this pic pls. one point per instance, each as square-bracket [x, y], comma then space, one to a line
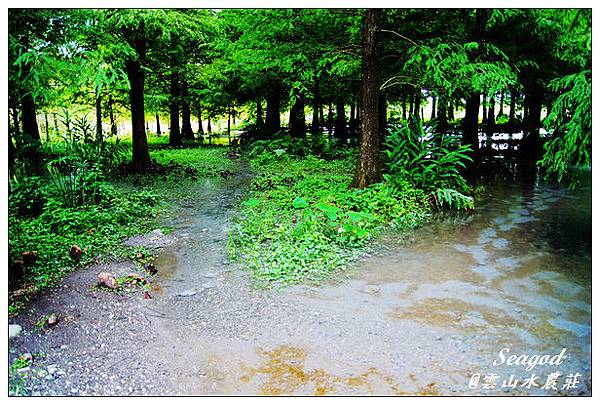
[314, 125]
[417, 112]
[297, 119]
[111, 115]
[229, 122]
[340, 131]
[330, 119]
[367, 169]
[273, 118]
[158, 131]
[483, 109]
[200, 128]
[174, 133]
[30, 125]
[260, 122]
[15, 117]
[186, 113]
[433, 106]
[411, 104]
[47, 126]
[140, 156]
[501, 112]
[442, 117]
[511, 109]
[99, 137]
[491, 115]
[471, 123]
[451, 110]
[208, 127]
[404, 108]
[382, 115]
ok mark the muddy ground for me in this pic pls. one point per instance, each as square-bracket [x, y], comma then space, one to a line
[418, 315]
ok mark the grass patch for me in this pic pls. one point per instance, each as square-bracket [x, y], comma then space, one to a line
[301, 221]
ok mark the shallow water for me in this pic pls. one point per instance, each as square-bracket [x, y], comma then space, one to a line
[420, 316]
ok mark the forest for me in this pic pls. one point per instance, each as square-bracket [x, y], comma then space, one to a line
[299, 137]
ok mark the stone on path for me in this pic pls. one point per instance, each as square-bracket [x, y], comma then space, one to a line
[14, 331]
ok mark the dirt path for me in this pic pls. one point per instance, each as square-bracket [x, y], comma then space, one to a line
[416, 318]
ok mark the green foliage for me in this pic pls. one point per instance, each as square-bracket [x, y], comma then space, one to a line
[302, 222]
[431, 161]
[571, 121]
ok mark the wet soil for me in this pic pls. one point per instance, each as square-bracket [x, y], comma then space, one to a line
[420, 315]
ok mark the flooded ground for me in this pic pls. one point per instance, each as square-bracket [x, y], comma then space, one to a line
[424, 313]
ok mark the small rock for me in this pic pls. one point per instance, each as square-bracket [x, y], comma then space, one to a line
[372, 289]
[187, 293]
[75, 252]
[107, 280]
[52, 319]
[74, 390]
[52, 369]
[204, 229]
[14, 331]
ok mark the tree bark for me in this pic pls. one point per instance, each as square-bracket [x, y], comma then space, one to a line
[367, 169]
[174, 133]
[47, 126]
[382, 116]
[158, 131]
[511, 109]
[491, 115]
[200, 128]
[28, 114]
[442, 117]
[140, 156]
[111, 116]
[433, 107]
[297, 119]
[340, 130]
[314, 125]
[260, 122]
[208, 126]
[484, 109]
[186, 113]
[471, 123]
[99, 137]
[273, 117]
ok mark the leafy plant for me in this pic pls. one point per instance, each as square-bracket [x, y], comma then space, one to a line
[433, 162]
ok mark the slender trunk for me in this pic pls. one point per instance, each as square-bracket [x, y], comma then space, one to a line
[501, 112]
[404, 108]
[314, 125]
[16, 126]
[260, 122]
[208, 126]
[28, 115]
[111, 115]
[200, 128]
[135, 73]
[56, 128]
[451, 110]
[321, 114]
[352, 122]
[484, 109]
[411, 104]
[174, 133]
[158, 131]
[367, 169]
[99, 136]
[491, 116]
[47, 126]
[433, 106]
[186, 114]
[340, 131]
[471, 123]
[442, 118]
[382, 115]
[417, 112]
[229, 122]
[273, 117]
[298, 119]
[511, 108]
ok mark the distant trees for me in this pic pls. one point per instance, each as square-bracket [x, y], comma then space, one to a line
[211, 63]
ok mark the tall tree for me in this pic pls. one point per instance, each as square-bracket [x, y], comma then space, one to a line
[368, 166]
